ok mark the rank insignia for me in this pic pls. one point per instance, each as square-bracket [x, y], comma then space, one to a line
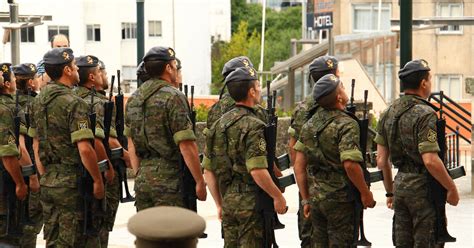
[11, 140]
[83, 125]
[432, 136]
[262, 145]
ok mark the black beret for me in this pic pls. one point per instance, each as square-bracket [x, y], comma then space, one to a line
[25, 69]
[160, 53]
[325, 86]
[413, 66]
[242, 74]
[235, 63]
[58, 56]
[323, 63]
[87, 61]
[142, 74]
[101, 64]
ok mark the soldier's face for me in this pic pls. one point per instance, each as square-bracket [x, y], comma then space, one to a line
[258, 92]
[74, 72]
[97, 78]
[34, 83]
[12, 84]
[173, 72]
[105, 80]
[426, 85]
[343, 98]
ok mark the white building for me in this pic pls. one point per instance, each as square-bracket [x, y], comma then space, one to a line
[107, 29]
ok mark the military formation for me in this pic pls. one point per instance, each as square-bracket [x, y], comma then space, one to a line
[65, 150]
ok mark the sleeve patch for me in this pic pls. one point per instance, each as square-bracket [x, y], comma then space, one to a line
[83, 125]
[262, 145]
[432, 136]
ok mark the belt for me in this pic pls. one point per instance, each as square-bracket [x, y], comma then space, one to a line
[62, 168]
[241, 188]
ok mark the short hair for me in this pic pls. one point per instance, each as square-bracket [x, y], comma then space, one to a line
[329, 101]
[55, 72]
[57, 36]
[413, 80]
[239, 90]
[155, 68]
[316, 75]
[22, 83]
[7, 76]
[84, 74]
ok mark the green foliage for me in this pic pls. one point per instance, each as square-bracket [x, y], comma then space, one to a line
[201, 112]
[246, 21]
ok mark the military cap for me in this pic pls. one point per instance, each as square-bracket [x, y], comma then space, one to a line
[25, 69]
[413, 66]
[58, 56]
[142, 74]
[166, 226]
[325, 86]
[235, 63]
[101, 65]
[241, 74]
[160, 53]
[87, 61]
[323, 63]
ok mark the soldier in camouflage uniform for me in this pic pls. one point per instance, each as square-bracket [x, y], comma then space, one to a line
[407, 135]
[301, 114]
[9, 152]
[243, 132]
[328, 149]
[91, 74]
[61, 127]
[158, 130]
[27, 84]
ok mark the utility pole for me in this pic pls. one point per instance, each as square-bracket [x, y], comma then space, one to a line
[140, 32]
[14, 33]
[406, 22]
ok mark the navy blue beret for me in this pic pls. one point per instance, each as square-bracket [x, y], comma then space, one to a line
[413, 66]
[58, 56]
[241, 74]
[87, 61]
[25, 69]
[160, 53]
[325, 86]
[323, 63]
[235, 63]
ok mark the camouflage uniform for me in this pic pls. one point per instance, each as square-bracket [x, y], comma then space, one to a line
[35, 208]
[412, 135]
[112, 189]
[244, 133]
[59, 120]
[7, 148]
[328, 139]
[301, 114]
[157, 120]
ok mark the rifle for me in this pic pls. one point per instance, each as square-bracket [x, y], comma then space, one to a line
[359, 208]
[438, 193]
[351, 108]
[264, 201]
[86, 185]
[117, 154]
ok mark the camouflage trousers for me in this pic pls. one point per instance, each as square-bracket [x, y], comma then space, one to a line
[304, 227]
[333, 224]
[113, 197]
[30, 232]
[6, 240]
[241, 223]
[413, 222]
[63, 219]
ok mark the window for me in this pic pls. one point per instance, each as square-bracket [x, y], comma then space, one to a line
[365, 17]
[93, 32]
[154, 29]
[129, 30]
[27, 34]
[129, 73]
[451, 85]
[450, 10]
[54, 30]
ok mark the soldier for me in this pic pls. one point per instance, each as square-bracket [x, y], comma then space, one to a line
[27, 85]
[407, 135]
[243, 132]
[158, 130]
[179, 78]
[302, 113]
[328, 149]
[61, 128]
[91, 71]
[9, 154]
[172, 227]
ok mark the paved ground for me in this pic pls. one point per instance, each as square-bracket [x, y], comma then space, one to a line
[378, 221]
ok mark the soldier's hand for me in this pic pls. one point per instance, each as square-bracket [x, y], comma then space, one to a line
[201, 192]
[390, 202]
[277, 171]
[307, 211]
[368, 200]
[219, 213]
[453, 197]
[99, 191]
[21, 191]
[34, 184]
[109, 175]
[280, 205]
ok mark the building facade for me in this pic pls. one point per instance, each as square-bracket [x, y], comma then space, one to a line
[107, 29]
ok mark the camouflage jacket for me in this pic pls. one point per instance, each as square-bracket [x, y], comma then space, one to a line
[243, 133]
[157, 119]
[26, 102]
[99, 100]
[7, 135]
[406, 139]
[328, 139]
[301, 114]
[59, 120]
